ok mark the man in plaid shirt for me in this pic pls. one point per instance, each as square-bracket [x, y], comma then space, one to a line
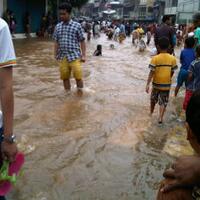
[70, 48]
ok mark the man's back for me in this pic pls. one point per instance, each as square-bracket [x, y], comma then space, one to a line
[164, 31]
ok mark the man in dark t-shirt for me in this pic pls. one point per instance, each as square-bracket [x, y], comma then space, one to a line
[165, 30]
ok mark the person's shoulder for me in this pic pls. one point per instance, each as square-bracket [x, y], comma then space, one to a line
[74, 23]
[154, 58]
[195, 62]
[184, 51]
[191, 51]
[58, 25]
[172, 57]
[167, 56]
[3, 24]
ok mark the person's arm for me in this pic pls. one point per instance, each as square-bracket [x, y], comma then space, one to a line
[151, 73]
[152, 67]
[7, 99]
[191, 72]
[172, 37]
[83, 51]
[174, 67]
[181, 58]
[81, 39]
[190, 76]
[56, 46]
[185, 172]
[196, 36]
[9, 150]
[156, 38]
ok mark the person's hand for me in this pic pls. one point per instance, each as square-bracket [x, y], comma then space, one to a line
[184, 172]
[147, 89]
[9, 151]
[83, 58]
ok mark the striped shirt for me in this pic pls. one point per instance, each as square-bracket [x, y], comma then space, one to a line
[195, 70]
[68, 36]
[163, 65]
[7, 52]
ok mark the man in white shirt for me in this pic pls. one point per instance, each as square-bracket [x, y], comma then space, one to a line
[7, 61]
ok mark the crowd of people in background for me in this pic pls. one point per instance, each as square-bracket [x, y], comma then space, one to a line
[118, 30]
[9, 17]
[47, 25]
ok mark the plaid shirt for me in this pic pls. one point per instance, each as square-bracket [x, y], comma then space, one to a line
[68, 35]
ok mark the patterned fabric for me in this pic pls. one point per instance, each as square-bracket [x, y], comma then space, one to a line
[7, 53]
[196, 193]
[163, 65]
[68, 35]
[160, 97]
[195, 70]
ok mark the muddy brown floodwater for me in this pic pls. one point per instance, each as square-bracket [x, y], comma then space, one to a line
[102, 146]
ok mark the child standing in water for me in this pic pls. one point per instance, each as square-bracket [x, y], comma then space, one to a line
[186, 58]
[162, 68]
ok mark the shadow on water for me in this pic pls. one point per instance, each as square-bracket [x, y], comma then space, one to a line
[103, 146]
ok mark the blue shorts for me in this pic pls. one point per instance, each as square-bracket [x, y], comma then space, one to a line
[182, 77]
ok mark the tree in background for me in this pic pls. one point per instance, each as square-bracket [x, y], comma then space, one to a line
[76, 3]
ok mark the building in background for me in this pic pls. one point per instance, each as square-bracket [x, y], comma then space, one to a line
[171, 9]
[158, 10]
[186, 9]
[144, 10]
[129, 6]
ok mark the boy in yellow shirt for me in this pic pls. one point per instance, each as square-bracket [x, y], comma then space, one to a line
[162, 68]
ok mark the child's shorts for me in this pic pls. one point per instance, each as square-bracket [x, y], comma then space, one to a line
[188, 95]
[67, 67]
[160, 96]
[182, 77]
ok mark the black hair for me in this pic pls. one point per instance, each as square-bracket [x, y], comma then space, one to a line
[165, 18]
[163, 43]
[198, 50]
[99, 47]
[190, 42]
[196, 17]
[66, 6]
[98, 51]
[193, 114]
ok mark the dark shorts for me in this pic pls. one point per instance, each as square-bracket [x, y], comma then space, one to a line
[182, 77]
[159, 96]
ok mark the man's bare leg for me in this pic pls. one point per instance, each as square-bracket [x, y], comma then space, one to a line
[162, 112]
[152, 108]
[67, 84]
[176, 90]
[79, 84]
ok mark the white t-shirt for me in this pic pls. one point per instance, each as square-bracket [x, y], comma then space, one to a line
[7, 52]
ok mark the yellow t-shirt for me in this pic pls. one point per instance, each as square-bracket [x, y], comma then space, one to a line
[162, 65]
[140, 31]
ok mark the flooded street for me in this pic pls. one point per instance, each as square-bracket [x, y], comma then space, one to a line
[102, 146]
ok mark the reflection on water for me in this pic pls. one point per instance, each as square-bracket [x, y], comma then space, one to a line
[102, 146]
